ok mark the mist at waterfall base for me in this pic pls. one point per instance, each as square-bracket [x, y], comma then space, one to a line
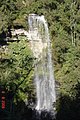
[43, 71]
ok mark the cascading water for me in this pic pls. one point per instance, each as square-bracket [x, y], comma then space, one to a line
[44, 74]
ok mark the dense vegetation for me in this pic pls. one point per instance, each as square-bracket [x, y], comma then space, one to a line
[63, 18]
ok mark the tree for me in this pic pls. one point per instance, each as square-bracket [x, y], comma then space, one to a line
[66, 45]
[17, 70]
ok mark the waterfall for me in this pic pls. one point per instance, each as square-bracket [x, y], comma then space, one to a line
[44, 73]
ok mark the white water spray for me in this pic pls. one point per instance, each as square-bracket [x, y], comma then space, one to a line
[44, 74]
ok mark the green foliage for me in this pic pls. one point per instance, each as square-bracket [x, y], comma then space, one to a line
[16, 70]
[66, 54]
[63, 18]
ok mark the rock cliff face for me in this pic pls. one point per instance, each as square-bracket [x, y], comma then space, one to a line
[36, 44]
[35, 41]
[37, 47]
